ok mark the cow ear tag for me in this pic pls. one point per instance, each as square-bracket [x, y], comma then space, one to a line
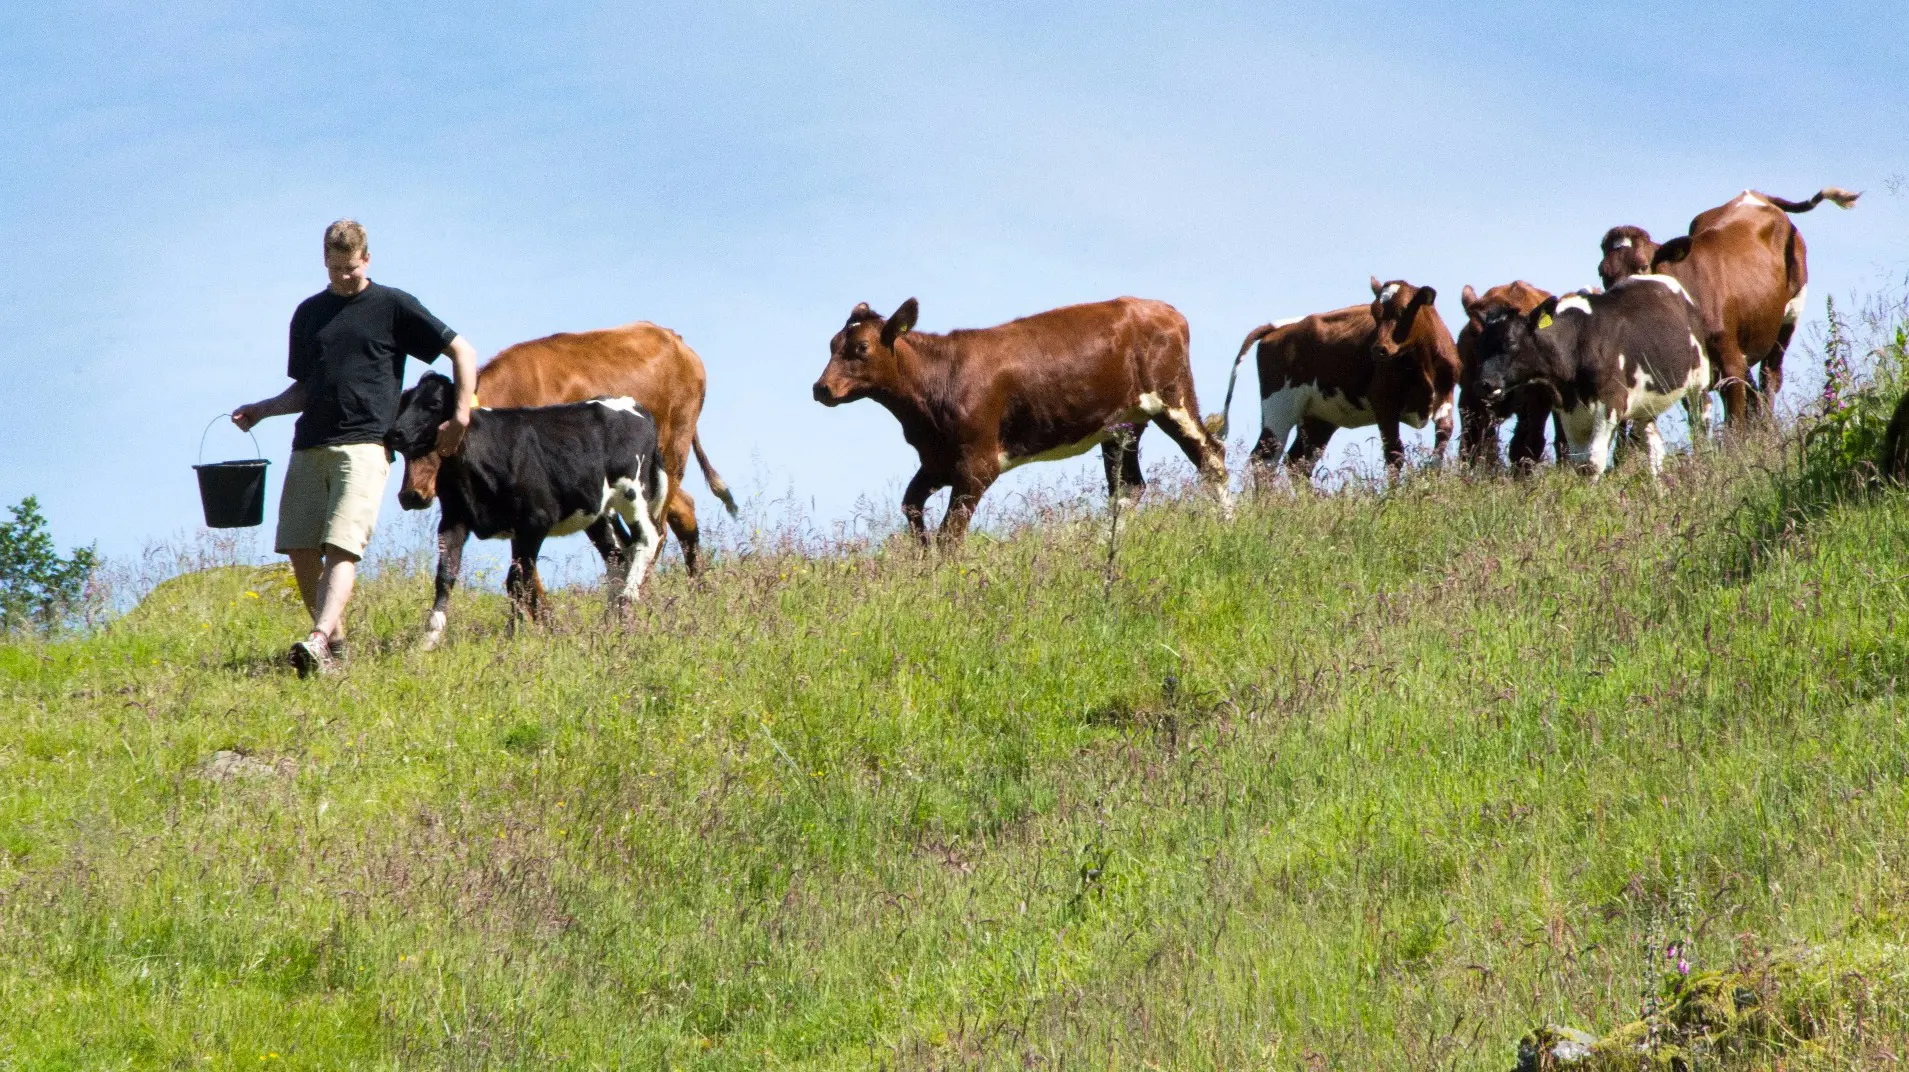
[1544, 321]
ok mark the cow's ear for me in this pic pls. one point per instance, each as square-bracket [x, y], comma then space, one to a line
[1468, 298]
[1375, 286]
[1425, 296]
[1543, 315]
[901, 323]
[1671, 252]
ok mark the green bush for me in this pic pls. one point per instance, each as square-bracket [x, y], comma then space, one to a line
[38, 588]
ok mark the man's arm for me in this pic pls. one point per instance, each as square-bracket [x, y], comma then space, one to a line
[290, 400]
[450, 434]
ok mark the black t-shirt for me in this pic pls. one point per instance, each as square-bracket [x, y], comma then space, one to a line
[349, 353]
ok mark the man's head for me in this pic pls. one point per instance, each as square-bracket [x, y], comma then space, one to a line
[347, 257]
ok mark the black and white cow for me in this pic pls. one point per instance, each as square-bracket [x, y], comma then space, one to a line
[527, 474]
[1624, 355]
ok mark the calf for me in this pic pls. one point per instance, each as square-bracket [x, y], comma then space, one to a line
[650, 364]
[1603, 359]
[1745, 265]
[975, 404]
[526, 474]
[1490, 315]
[1382, 363]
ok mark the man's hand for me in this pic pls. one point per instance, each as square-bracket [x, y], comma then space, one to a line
[247, 416]
[450, 434]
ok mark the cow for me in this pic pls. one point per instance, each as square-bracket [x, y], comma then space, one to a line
[1602, 359]
[1489, 314]
[1384, 362]
[528, 474]
[977, 403]
[645, 362]
[1746, 266]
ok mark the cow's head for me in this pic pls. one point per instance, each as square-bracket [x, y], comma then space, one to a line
[1396, 307]
[1627, 252]
[862, 355]
[1488, 317]
[1518, 349]
[420, 410]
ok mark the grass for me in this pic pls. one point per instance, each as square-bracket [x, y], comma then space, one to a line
[1351, 781]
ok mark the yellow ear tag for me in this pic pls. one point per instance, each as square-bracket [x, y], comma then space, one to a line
[1544, 321]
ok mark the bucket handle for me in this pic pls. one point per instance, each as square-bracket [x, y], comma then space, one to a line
[257, 453]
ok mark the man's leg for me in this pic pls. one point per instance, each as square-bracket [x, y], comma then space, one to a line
[334, 593]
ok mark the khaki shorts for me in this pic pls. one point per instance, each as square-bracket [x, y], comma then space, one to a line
[331, 496]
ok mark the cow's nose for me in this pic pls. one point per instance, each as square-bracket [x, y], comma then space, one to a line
[411, 500]
[821, 393]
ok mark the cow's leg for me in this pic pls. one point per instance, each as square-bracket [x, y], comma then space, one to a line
[1697, 412]
[450, 561]
[1441, 431]
[616, 561]
[1527, 436]
[1308, 445]
[973, 476]
[1604, 428]
[1120, 457]
[915, 499]
[525, 587]
[681, 511]
[646, 538]
[1733, 381]
[1654, 447]
[1278, 413]
[1207, 454]
[1390, 441]
[1477, 431]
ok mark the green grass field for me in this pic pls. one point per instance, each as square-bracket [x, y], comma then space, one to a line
[1368, 780]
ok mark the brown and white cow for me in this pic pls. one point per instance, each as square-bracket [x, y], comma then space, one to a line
[1485, 315]
[1386, 362]
[977, 403]
[1746, 266]
[641, 361]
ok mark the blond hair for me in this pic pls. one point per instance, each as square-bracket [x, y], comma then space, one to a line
[346, 236]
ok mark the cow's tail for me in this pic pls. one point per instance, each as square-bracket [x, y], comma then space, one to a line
[1226, 408]
[1836, 194]
[710, 476]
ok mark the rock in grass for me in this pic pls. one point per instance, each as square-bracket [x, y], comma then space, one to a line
[225, 766]
[1555, 1047]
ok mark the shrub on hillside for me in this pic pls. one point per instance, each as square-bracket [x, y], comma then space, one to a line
[38, 588]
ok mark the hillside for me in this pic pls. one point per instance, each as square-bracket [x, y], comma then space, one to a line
[1352, 781]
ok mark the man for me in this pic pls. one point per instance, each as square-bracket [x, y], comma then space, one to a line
[348, 345]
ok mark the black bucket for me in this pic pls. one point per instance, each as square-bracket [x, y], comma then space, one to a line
[232, 493]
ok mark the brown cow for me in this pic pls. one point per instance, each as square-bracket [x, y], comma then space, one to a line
[1745, 264]
[1388, 361]
[977, 403]
[1478, 419]
[642, 361]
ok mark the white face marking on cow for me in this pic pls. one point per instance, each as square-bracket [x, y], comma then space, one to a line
[1793, 309]
[1574, 303]
[623, 403]
[1750, 198]
[1622, 243]
[1391, 291]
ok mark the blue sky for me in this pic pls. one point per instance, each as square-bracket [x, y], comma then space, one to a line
[746, 173]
